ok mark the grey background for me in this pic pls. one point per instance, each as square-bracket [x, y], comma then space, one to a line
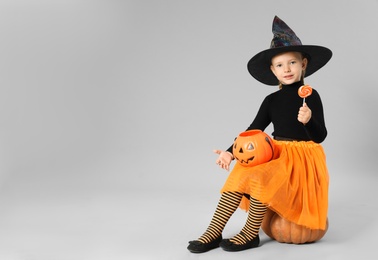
[109, 111]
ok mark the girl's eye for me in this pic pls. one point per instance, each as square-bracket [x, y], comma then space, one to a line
[293, 62]
[278, 65]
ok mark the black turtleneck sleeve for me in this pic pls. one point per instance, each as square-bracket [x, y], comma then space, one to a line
[281, 109]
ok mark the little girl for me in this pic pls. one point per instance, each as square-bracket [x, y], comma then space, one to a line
[294, 183]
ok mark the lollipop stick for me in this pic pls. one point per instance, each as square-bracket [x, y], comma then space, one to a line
[304, 101]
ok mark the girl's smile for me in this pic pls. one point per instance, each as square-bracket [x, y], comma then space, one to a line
[288, 67]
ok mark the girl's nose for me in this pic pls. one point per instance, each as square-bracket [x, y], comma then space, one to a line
[287, 69]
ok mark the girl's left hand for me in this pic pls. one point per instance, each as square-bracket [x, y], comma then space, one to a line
[304, 114]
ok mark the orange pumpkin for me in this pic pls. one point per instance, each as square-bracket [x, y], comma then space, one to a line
[253, 147]
[285, 231]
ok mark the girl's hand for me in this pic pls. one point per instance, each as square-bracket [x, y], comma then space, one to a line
[304, 114]
[224, 159]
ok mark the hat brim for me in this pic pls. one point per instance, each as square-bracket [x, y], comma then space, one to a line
[259, 65]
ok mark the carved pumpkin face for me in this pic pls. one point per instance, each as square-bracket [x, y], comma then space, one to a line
[253, 147]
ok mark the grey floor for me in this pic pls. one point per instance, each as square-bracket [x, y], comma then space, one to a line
[84, 82]
[63, 218]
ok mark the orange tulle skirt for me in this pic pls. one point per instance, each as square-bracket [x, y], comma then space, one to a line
[294, 183]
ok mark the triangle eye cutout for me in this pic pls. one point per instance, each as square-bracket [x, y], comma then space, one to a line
[250, 146]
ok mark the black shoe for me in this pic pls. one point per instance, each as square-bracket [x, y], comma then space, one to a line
[227, 245]
[196, 246]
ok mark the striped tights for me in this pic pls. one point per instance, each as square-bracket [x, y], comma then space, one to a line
[227, 205]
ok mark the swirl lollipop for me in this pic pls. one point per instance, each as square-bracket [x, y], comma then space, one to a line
[304, 91]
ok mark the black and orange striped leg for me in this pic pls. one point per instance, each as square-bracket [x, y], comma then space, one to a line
[251, 228]
[227, 205]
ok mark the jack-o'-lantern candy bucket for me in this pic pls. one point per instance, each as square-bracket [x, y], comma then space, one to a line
[253, 147]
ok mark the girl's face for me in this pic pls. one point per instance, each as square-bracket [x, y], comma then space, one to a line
[288, 67]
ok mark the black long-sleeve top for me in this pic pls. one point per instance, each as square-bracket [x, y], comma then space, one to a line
[281, 109]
